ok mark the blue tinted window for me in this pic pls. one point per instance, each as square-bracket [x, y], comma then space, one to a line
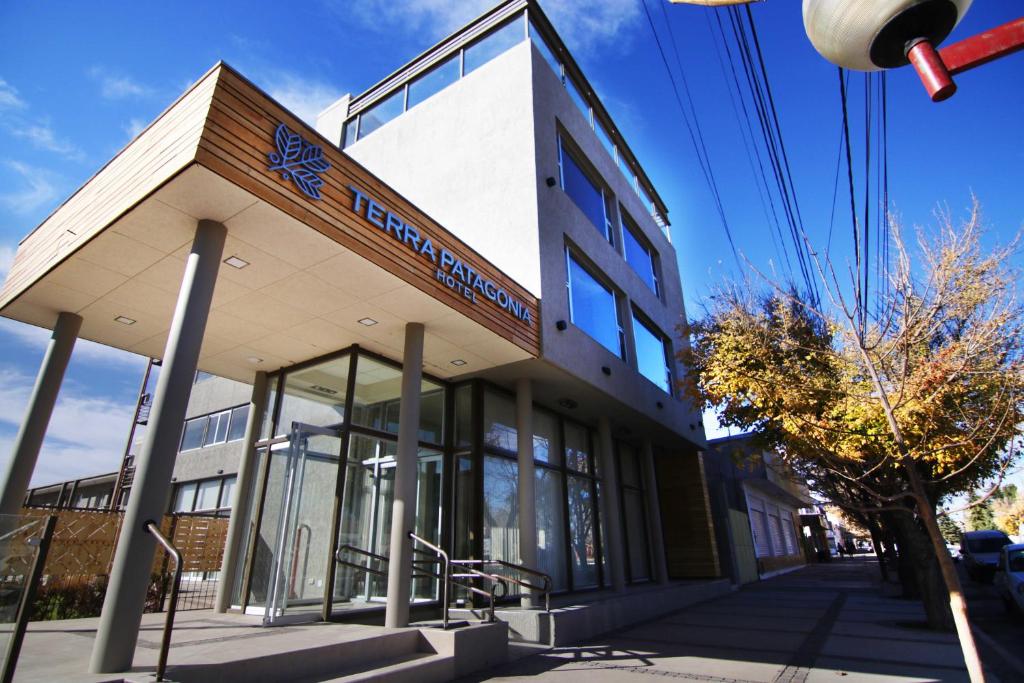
[545, 51]
[577, 97]
[639, 256]
[350, 133]
[478, 54]
[432, 82]
[651, 355]
[592, 307]
[382, 112]
[583, 192]
[606, 140]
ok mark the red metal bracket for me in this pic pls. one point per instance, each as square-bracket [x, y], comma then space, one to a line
[937, 68]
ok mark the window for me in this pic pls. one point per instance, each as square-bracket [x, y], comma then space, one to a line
[500, 423]
[606, 140]
[639, 254]
[652, 354]
[545, 438]
[382, 112]
[591, 199]
[478, 54]
[434, 81]
[210, 430]
[207, 495]
[545, 51]
[592, 307]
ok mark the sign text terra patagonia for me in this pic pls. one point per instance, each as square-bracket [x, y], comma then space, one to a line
[452, 271]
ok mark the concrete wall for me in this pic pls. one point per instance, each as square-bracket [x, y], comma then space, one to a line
[209, 395]
[560, 219]
[465, 156]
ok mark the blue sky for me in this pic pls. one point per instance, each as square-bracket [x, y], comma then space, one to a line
[78, 80]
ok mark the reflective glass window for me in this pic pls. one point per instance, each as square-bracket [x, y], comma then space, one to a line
[500, 422]
[183, 497]
[350, 132]
[606, 140]
[652, 355]
[577, 448]
[227, 491]
[582, 517]
[583, 191]
[545, 438]
[378, 389]
[550, 526]
[432, 413]
[434, 81]
[545, 51]
[491, 46]
[639, 256]
[209, 492]
[217, 431]
[464, 416]
[501, 509]
[239, 416]
[315, 395]
[592, 307]
[577, 98]
[192, 437]
[382, 112]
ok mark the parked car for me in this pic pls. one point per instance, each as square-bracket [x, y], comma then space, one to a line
[1009, 578]
[954, 551]
[980, 552]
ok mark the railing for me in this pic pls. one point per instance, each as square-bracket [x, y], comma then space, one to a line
[545, 589]
[365, 553]
[28, 591]
[448, 578]
[165, 645]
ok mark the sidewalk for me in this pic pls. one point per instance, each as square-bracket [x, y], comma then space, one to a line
[825, 622]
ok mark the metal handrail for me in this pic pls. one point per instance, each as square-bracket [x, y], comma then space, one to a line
[165, 645]
[454, 579]
[545, 589]
[366, 553]
[446, 578]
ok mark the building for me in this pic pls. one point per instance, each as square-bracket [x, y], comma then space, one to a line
[449, 310]
[759, 502]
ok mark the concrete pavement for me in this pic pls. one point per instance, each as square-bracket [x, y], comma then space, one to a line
[827, 622]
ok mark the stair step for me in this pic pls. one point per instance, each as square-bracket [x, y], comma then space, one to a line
[419, 667]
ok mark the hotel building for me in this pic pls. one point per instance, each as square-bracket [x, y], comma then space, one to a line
[452, 308]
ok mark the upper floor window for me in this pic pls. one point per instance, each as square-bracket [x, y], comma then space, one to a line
[593, 307]
[209, 430]
[640, 256]
[653, 354]
[592, 199]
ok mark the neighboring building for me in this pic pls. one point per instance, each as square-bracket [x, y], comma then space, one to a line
[747, 481]
[92, 493]
[486, 252]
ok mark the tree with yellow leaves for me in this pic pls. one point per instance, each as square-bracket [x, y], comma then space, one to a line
[890, 410]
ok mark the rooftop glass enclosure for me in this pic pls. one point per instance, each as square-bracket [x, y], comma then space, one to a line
[325, 476]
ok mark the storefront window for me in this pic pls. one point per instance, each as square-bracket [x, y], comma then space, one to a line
[500, 422]
[583, 549]
[315, 395]
[633, 511]
[545, 438]
[501, 509]
[592, 307]
[577, 448]
[464, 416]
[550, 526]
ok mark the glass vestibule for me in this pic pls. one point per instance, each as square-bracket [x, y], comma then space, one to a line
[326, 479]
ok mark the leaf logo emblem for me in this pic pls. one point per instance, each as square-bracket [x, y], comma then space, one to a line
[298, 161]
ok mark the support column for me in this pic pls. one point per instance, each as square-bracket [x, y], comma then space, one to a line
[241, 499]
[129, 577]
[527, 501]
[611, 506]
[653, 512]
[37, 417]
[403, 511]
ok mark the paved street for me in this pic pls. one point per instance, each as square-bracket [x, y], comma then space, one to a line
[1005, 629]
[823, 623]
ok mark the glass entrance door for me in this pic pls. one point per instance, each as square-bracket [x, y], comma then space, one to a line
[295, 527]
[366, 517]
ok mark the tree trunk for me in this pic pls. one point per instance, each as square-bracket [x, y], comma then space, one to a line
[876, 541]
[920, 559]
[904, 562]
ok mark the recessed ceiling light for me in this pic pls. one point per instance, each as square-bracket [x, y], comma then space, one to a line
[123, 320]
[254, 360]
[568, 403]
[369, 322]
[236, 262]
[458, 361]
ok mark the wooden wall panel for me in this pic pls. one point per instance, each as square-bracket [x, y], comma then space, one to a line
[690, 549]
[239, 134]
[156, 155]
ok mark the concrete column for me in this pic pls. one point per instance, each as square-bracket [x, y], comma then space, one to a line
[527, 500]
[241, 498]
[653, 512]
[126, 592]
[611, 506]
[403, 510]
[37, 417]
